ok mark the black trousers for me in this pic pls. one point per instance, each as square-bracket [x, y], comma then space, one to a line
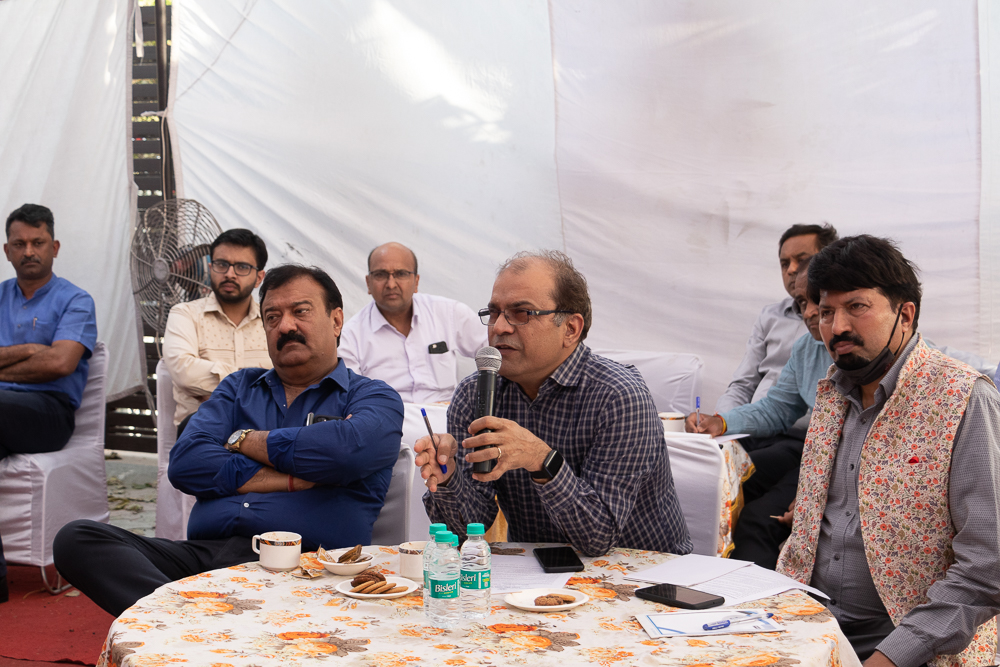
[768, 492]
[115, 567]
[33, 422]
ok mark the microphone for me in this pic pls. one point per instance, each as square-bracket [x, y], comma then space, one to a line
[488, 362]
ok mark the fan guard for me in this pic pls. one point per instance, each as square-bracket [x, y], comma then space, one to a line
[170, 257]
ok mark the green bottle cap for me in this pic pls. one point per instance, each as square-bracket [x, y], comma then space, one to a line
[444, 537]
[475, 529]
[437, 528]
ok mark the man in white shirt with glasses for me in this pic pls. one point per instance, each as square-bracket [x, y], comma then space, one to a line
[209, 338]
[410, 341]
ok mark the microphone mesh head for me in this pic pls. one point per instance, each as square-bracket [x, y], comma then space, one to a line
[488, 359]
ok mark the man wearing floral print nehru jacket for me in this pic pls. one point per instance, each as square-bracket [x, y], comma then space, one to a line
[896, 511]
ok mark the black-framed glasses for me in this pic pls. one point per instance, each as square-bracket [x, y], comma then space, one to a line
[241, 268]
[383, 276]
[515, 316]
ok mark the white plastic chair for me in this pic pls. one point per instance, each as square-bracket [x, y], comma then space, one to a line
[414, 428]
[697, 465]
[172, 505]
[673, 378]
[393, 522]
[41, 493]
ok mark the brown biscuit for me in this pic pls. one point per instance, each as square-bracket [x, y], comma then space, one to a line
[547, 601]
[380, 588]
[365, 586]
[395, 589]
[367, 575]
[566, 599]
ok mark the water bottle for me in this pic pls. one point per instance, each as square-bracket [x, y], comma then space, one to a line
[443, 609]
[476, 574]
[428, 554]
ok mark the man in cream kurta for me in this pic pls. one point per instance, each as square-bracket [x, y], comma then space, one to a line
[207, 339]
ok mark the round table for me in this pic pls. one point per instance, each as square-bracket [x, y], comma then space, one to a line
[246, 616]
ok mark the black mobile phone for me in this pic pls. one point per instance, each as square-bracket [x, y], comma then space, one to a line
[558, 559]
[679, 596]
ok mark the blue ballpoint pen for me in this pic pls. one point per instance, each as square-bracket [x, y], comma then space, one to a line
[697, 414]
[735, 620]
[430, 432]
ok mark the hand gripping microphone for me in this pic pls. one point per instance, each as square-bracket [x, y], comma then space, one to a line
[488, 362]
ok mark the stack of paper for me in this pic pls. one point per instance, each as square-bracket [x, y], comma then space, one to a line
[737, 581]
[692, 623]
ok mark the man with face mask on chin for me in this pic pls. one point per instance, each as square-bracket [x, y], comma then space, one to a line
[896, 512]
[207, 339]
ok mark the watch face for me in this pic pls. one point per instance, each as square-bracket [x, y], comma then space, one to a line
[234, 437]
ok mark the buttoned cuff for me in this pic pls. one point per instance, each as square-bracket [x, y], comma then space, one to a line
[453, 490]
[559, 492]
[734, 421]
[236, 472]
[905, 648]
[281, 448]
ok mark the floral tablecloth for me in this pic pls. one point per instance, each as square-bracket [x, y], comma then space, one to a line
[246, 616]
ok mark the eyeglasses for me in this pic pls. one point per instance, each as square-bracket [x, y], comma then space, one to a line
[383, 276]
[515, 316]
[241, 268]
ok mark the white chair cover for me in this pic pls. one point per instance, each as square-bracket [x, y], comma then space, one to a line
[392, 525]
[698, 465]
[413, 429]
[172, 505]
[674, 379]
[40, 493]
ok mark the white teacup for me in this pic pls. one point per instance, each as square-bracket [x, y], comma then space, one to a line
[278, 549]
[673, 421]
[411, 560]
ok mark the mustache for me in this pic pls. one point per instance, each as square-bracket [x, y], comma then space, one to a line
[289, 337]
[30, 260]
[852, 338]
[504, 340]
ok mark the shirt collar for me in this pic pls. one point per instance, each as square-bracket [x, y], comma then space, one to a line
[40, 292]
[378, 319]
[568, 374]
[212, 305]
[788, 308]
[886, 385]
[338, 375]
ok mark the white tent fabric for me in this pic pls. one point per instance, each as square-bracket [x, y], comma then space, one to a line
[65, 143]
[664, 146]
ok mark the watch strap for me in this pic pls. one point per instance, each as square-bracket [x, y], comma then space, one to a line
[550, 467]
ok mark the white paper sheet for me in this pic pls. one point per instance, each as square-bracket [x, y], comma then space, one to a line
[688, 570]
[691, 624]
[751, 583]
[517, 573]
[722, 439]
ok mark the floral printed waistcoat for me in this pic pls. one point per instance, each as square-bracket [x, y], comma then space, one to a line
[902, 487]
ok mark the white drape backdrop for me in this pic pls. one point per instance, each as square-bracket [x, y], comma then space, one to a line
[664, 146]
[64, 142]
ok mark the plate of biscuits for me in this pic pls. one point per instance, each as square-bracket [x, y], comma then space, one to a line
[375, 585]
[546, 599]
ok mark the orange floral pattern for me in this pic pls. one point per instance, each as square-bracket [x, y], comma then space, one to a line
[286, 620]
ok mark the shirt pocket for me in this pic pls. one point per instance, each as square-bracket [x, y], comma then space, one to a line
[37, 330]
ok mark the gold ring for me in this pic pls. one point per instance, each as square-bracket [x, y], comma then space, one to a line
[499, 453]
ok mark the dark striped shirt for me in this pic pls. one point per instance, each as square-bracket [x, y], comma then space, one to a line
[615, 487]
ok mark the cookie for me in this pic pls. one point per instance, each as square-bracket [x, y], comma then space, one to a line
[548, 601]
[367, 575]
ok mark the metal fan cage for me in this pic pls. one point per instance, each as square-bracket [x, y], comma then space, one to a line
[171, 257]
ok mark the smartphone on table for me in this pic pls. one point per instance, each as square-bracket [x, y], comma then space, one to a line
[679, 596]
[558, 559]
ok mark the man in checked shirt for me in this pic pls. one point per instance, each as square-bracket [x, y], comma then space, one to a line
[896, 512]
[579, 448]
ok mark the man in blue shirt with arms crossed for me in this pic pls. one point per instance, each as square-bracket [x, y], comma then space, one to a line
[48, 330]
[251, 461]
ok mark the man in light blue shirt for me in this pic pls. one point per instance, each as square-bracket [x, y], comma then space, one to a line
[48, 329]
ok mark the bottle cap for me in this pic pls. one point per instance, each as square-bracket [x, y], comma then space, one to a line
[475, 529]
[444, 537]
[453, 539]
[437, 528]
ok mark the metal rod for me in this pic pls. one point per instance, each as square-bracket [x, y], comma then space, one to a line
[162, 83]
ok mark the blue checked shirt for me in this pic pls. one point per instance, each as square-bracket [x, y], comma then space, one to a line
[614, 489]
